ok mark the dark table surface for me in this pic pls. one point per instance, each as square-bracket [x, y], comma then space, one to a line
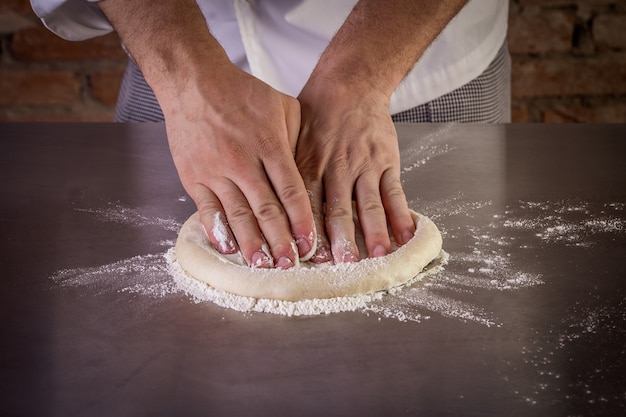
[527, 319]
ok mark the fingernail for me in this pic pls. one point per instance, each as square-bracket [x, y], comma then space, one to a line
[304, 246]
[284, 263]
[322, 255]
[407, 235]
[345, 252]
[260, 259]
[379, 251]
[348, 257]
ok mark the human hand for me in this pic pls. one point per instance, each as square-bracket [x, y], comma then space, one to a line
[348, 146]
[233, 145]
[347, 150]
[232, 137]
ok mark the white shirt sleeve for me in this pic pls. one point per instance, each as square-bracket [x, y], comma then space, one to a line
[74, 20]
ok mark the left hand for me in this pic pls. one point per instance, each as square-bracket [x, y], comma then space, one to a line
[348, 150]
[348, 147]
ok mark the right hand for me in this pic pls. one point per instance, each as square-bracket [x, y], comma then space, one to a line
[233, 144]
[232, 137]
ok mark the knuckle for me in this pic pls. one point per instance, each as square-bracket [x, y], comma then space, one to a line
[206, 203]
[395, 193]
[341, 164]
[267, 145]
[392, 186]
[269, 211]
[339, 213]
[292, 194]
[371, 206]
[239, 214]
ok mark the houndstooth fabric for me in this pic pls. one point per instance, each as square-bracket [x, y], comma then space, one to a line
[486, 99]
[136, 101]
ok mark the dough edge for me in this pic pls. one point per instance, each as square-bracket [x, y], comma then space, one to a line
[198, 258]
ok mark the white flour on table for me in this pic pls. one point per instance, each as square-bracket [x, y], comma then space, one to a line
[486, 265]
[117, 213]
[433, 145]
[536, 372]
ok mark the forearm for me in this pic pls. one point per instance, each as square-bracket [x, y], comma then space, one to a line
[232, 137]
[169, 41]
[381, 41]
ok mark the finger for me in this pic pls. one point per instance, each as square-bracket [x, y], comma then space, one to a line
[307, 243]
[271, 219]
[292, 119]
[214, 221]
[244, 226]
[322, 252]
[372, 215]
[340, 223]
[291, 201]
[394, 201]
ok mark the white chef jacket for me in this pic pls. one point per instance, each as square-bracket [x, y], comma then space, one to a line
[280, 41]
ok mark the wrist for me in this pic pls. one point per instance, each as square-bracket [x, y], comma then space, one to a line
[175, 73]
[171, 44]
[335, 89]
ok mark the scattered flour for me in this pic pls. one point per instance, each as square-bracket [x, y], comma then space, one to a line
[145, 275]
[434, 145]
[409, 305]
[450, 207]
[485, 265]
[548, 352]
[117, 213]
[572, 223]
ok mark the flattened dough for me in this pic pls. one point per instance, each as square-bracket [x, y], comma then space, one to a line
[229, 273]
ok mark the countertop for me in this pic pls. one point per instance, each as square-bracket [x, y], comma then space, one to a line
[527, 319]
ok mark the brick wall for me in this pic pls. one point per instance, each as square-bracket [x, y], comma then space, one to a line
[45, 78]
[569, 65]
[569, 60]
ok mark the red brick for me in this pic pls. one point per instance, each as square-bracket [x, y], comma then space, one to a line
[553, 3]
[608, 31]
[39, 44]
[520, 114]
[20, 87]
[79, 113]
[11, 21]
[555, 116]
[607, 113]
[105, 85]
[545, 2]
[602, 75]
[19, 6]
[539, 32]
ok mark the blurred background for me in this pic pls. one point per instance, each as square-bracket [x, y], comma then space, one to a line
[569, 65]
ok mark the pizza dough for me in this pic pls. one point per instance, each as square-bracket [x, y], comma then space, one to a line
[307, 280]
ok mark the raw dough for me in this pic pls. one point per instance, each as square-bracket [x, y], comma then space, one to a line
[230, 273]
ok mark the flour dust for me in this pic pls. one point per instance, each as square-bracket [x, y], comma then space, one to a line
[548, 355]
[451, 291]
[433, 145]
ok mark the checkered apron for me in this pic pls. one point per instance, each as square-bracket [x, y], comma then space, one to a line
[486, 99]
